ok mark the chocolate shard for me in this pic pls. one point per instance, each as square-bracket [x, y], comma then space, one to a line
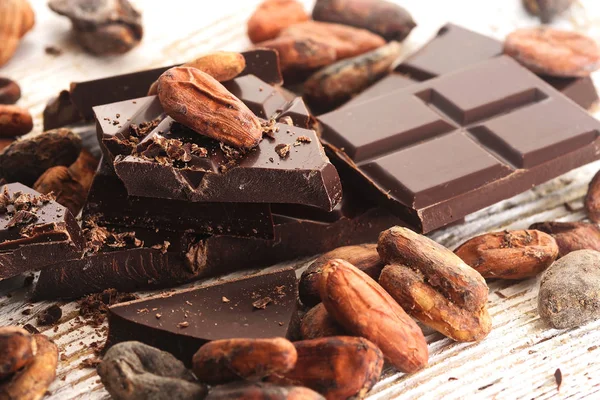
[262, 63]
[449, 146]
[35, 231]
[60, 112]
[109, 204]
[124, 259]
[353, 221]
[183, 320]
[164, 159]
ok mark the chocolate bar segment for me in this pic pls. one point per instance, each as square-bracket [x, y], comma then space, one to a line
[454, 48]
[259, 306]
[109, 204]
[439, 150]
[35, 231]
[124, 259]
[291, 167]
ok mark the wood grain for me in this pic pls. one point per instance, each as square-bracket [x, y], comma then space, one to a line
[519, 357]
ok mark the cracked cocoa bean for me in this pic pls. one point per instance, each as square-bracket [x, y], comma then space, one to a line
[102, 27]
[571, 236]
[362, 256]
[26, 160]
[223, 361]
[31, 382]
[135, 371]
[17, 349]
[569, 295]
[61, 183]
[509, 254]
[339, 367]
[10, 92]
[379, 16]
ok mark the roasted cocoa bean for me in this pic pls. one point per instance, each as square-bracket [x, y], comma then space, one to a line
[317, 323]
[14, 121]
[339, 367]
[17, 349]
[261, 391]
[67, 190]
[301, 53]
[272, 16]
[362, 256]
[549, 51]
[592, 199]
[365, 309]
[571, 236]
[10, 92]
[547, 10]
[379, 16]
[509, 254]
[223, 361]
[84, 169]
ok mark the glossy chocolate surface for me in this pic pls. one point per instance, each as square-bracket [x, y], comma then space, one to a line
[34, 231]
[109, 203]
[439, 150]
[262, 175]
[181, 321]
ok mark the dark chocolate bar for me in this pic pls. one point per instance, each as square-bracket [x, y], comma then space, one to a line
[258, 306]
[263, 63]
[304, 232]
[124, 259]
[441, 149]
[216, 173]
[455, 48]
[109, 204]
[35, 231]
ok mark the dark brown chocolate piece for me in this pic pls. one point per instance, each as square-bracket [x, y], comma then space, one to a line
[35, 231]
[452, 145]
[124, 259]
[454, 48]
[181, 321]
[109, 203]
[60, 111]
[353, 221]
[86, 95]
[171, 161]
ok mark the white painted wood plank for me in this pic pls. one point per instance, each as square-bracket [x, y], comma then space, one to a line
[519, 357]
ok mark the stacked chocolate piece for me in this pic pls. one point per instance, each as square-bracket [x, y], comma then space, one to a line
[168, 205]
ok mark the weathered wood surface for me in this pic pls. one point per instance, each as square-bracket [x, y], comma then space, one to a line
[517, 360]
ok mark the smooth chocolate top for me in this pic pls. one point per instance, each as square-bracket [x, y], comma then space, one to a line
[258, 306]
[450, 135]
[289, 167]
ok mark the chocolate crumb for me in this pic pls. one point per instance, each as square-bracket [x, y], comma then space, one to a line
[283, 150]
[95, 306]
[26, 311]
[90, 363]
[53, 51]
[261, 304]
[452, 378]
[31, 329]
[50, 315]
[28, 280]
[183, 324]
[558, 378]
[287, 120]
[158, 315]
[225, 300]
[592, 348]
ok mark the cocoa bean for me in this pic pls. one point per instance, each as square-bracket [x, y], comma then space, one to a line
[571, 236]
[67, 190]
[102, 27]
[592, 199]
[379, 16]
[14, 121]
[261, 391]
[549, 51]
[338, 82]
[339, 367]
[509, 254]
[547, 10]
[31, 382]
[60, 111]
[365, 309]
[362, 256]
[223, 361]
[26, 160]
[317, 323]
[301, 53]
[17, 349]
[197, 100]
[345, 40]
[84, 169]
[10, 92]
[569, 295]
[133, 370]
[272, 16]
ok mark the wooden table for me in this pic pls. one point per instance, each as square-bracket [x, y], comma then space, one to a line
[517, 360]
